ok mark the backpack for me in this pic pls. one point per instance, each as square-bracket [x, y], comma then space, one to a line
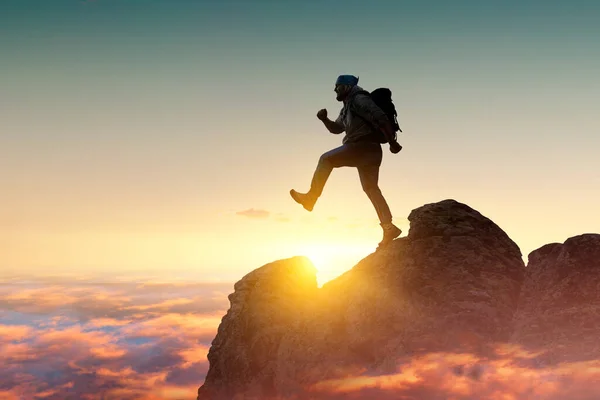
[383, 98]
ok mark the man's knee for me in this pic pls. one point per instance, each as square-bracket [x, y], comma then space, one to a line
[371, 188]
[325, 160]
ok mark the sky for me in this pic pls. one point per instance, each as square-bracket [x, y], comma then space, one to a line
[163, 137]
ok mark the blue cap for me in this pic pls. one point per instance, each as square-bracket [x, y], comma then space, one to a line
[347, 80]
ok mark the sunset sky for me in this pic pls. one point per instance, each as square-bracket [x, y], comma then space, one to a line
[162, 137]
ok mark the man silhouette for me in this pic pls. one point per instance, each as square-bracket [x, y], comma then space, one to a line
[359, 118]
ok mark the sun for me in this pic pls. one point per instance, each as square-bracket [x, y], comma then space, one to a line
[319, 255]
[331, 259]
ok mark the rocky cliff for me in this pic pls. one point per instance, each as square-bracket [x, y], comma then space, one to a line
[456, 284]
[559, 310]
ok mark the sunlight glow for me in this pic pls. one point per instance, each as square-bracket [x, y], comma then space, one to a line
[332, 260]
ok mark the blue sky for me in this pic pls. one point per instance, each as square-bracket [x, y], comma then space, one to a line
[136, 131]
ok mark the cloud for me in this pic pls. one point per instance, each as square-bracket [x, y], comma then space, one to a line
[125, 340]
[149, 340]
[198, 327]
[11, 333]
[107, 322]
[469, 377]
[254, 214]
[74, 363]
[122, 301]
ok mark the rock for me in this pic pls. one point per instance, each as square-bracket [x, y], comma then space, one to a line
[265, 307]
[462, 281]
[559, 309]
[451, 285]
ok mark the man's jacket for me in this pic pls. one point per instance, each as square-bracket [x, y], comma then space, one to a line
[357, 111]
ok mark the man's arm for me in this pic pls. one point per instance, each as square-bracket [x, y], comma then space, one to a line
[333, 126]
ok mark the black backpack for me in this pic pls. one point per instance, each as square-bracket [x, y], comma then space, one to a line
[383, 98]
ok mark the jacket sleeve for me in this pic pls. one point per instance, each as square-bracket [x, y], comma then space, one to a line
[339, 124]
[366, 108]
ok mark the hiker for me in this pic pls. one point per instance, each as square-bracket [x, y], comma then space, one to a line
[366, 126]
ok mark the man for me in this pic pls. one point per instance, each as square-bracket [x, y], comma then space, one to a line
[359, 118]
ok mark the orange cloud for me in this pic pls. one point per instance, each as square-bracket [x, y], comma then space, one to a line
[193, 355]
[71, 337]
[465, 376]
[186, 325]
[107, 352]
[52, 297]
[15, 353]
[118, 340]
[10, 395]
[107, 322]
[172, 392]
[14, 332]
[163, 305]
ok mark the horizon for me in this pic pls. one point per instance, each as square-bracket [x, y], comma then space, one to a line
[318, 258]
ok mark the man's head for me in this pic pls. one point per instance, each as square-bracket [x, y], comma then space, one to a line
[343, 85]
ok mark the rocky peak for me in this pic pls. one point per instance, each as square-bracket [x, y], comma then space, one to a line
[265, 307]
[450, 218]
[454, 284]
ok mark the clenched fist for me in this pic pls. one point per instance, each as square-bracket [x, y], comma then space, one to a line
[322, 114]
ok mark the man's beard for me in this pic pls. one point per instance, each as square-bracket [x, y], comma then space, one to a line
[343, 94]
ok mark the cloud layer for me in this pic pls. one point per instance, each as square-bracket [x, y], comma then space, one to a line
[88, 339]
[84, 339]
[511, 374]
